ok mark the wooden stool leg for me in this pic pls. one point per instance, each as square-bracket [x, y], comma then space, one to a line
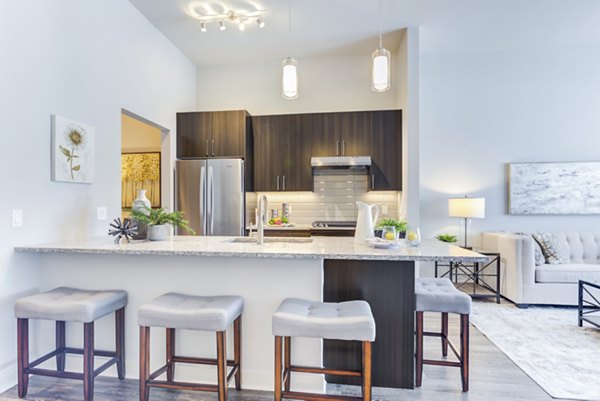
[287, 361]
[237, 351]
[170, 354]
[419, 350]
[278, 368]
[144, 362]
[464, 351]
[120, 342]
[88, 361]
[366, 370]
[22, 356]
[222, 365]
[445, 334]
[60, 346]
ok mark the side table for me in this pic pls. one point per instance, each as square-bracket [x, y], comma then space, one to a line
[589, 302]
[474, 274]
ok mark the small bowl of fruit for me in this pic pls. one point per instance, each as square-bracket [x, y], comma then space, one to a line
[280, 222]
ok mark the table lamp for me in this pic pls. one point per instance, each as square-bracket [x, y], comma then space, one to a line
[466, 208]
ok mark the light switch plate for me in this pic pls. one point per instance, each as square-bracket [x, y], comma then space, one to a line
[101, 213]
[17, 217]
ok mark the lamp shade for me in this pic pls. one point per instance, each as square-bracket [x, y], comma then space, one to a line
[466, 207]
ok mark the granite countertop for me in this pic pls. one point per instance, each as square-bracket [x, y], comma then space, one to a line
[319, 248]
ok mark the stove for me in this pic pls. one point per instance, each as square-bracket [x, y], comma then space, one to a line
[334, 224]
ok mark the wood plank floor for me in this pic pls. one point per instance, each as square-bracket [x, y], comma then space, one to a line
[493, 378]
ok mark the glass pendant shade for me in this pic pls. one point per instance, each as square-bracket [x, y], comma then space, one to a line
[381, 78]
[289, 78]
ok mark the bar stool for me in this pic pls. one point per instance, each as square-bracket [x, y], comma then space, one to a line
[178, 311]
[440, 295]
[350, 321]
[70, 305]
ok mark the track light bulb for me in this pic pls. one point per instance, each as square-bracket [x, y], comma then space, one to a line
[222, 26]
[260, 22]
[203, 27]
[241, 25]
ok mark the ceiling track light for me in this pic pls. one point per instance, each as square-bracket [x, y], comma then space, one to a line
[233, 16]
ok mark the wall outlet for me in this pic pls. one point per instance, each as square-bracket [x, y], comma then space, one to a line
[384, 210]
[101, 213]
[17, 217]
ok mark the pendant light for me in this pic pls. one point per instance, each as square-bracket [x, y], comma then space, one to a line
[289, 66]
[381, 73]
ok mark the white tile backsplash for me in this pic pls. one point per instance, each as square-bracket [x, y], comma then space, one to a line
[334, 197]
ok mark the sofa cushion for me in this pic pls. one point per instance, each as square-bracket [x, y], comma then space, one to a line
[554, 251]
[584, 247]
[567, 273]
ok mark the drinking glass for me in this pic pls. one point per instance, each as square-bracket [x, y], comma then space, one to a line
[388, 233]
[413, 236]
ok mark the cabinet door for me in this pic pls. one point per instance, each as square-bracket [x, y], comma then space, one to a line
[320, 130]
[386, 150]
[228, 134]
[296, 148]
[267, 160]
[355, 133]
[193, 130]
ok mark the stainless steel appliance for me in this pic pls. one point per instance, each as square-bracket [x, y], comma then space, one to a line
[334, 224]
[210, 193]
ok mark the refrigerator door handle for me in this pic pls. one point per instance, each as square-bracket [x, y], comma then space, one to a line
[211, 203]
[202, 201]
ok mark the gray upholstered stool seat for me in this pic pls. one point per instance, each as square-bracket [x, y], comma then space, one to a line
[351, 320]
[440, 295]
[70, 304]
[180, 311]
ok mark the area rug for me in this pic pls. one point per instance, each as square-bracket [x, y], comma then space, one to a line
[547, 344]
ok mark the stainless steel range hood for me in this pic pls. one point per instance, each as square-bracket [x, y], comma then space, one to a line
[349, 162]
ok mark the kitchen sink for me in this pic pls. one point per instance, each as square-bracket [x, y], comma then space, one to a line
[291, 240]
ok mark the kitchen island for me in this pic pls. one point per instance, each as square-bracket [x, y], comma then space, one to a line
[326, 268]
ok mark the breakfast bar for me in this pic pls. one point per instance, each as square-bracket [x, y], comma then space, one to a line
[329, 269]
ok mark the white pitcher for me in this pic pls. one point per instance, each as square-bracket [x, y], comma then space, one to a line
[365, 222]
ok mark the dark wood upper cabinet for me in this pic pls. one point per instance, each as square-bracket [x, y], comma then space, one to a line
[386, 150]
[223, 134]
[282, 154]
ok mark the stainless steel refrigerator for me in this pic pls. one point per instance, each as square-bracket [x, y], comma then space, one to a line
[210, 193]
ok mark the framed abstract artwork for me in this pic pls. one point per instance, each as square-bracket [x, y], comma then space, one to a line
[73, 148]
[554, 188]
[140, 171]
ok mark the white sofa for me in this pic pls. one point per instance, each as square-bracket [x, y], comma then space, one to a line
[525, 284]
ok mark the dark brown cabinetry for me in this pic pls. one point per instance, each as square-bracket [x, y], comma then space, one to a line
[385, 148]
[219, 134]
[282, 154]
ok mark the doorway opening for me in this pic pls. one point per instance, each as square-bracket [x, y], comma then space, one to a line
[145, 160]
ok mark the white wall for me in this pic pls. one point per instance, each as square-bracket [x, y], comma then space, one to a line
[326, 84]
[84, 60]
[482, 110]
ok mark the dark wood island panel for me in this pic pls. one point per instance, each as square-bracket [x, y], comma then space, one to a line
[389, 288]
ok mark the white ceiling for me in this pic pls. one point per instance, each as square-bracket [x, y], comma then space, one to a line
[346, 27]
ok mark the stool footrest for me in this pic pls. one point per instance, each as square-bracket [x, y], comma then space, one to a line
[335, 372]
[54, 373]
[200, 361]
[441, 363]
[183, 386]
[317, 397]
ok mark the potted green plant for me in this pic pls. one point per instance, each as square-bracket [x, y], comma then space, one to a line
[447, 238]
[399, 225]
[158, 221]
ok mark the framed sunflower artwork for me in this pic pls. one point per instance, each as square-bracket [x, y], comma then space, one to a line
[73, 149]
[140, 171]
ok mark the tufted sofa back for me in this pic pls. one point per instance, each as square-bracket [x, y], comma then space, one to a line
[584, 247]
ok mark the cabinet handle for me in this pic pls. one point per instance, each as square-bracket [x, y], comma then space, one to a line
[343, 148]
[283, 179]
[278, 183]
[206, 147]
[337, 148]
[372, 181]
[213, 147]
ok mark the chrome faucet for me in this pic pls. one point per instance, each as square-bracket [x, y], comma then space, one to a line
[262, 216]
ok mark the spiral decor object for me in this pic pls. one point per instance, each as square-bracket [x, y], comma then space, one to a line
[125, 228]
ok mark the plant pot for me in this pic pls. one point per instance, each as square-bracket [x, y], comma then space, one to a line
[158, 232]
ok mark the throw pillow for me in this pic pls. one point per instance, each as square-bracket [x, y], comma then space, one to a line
[554, 253]
[538, 255]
